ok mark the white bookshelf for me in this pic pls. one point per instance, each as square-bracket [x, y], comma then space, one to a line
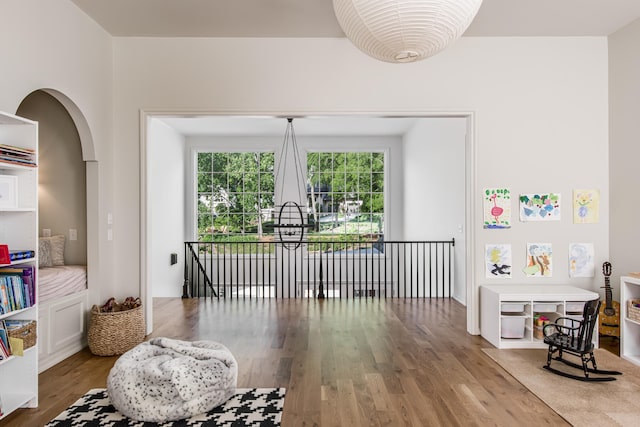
[507, 311]
[19, 230]
[630, 328]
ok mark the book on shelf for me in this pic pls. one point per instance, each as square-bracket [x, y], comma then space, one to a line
[17, 288]
[11, 161]
[5, 350]
[17, 155]
[15, 149]
[17, 255]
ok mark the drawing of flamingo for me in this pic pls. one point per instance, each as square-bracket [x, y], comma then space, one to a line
[496, 210]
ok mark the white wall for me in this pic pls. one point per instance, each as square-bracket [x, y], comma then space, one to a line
[53, 45]
[166, 213]
[624, 150]
[434, 188]
[540, 108]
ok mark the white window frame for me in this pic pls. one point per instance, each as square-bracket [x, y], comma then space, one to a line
[267, 144]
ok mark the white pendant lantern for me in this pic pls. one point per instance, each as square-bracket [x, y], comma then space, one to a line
[404, 30]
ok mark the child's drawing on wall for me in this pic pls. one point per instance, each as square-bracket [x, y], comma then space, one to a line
[581, 260]
[539, 260]
[497, 208]
[498, 261]
[540, 207]
[586, 206]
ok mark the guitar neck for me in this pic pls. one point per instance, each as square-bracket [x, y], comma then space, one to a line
[608, 293]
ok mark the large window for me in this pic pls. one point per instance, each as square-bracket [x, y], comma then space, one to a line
[345, 194]
[235, 195]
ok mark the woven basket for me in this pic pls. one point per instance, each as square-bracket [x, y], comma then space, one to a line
[633, 312]
[26, 333]
[114, 333]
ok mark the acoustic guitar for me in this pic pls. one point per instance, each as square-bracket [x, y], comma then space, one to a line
[610, 311]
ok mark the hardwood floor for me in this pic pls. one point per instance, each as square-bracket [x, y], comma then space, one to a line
[343, 362]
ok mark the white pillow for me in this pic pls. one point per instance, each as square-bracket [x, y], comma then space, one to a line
[44, 252]
[52, 250]
[57, 249]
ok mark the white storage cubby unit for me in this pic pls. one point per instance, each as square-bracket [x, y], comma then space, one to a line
[630, 325]
[507, 312]
[19, 230]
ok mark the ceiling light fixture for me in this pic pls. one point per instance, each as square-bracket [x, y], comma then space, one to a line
[292, 219]
[404, 30]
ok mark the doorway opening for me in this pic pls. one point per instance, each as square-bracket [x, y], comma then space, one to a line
[441, 144]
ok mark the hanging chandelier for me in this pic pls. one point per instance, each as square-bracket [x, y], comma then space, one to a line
[291, 200]
[404, 30]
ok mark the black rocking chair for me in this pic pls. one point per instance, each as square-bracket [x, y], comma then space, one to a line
[575, 337]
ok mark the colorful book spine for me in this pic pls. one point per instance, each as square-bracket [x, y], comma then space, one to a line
[28, 286]
[23, 254]
[18, 294]
[5, 349]
[9, 287]
[4, 297]
[14, 291]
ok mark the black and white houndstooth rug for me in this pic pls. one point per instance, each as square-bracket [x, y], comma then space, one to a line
[249, 407]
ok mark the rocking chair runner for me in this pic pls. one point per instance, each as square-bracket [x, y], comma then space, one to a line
[575, 337]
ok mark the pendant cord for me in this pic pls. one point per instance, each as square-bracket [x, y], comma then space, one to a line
[290, 139]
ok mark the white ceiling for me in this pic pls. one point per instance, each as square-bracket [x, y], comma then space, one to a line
[315, 18]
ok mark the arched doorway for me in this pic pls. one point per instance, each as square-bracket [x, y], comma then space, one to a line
[67, 194]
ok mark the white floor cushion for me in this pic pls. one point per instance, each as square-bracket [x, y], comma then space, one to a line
[165, 379]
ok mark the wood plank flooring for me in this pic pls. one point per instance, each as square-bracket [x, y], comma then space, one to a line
[343, 362]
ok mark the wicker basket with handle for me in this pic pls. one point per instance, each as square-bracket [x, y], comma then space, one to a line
[27, 333]
[114, 333]
[633, 312]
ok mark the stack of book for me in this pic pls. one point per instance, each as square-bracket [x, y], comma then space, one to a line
[17, 155]
[17, 288]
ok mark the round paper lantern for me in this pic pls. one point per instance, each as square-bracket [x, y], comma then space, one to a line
[404, 30]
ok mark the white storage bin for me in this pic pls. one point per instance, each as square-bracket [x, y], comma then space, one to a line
[512, 307]
[512, 327]
[545, 307]
[574, 306]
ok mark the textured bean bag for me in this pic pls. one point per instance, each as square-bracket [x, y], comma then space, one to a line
[165, 379]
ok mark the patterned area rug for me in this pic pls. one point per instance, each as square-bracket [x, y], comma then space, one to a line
[249, 407]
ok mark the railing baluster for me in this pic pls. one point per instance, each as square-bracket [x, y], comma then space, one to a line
[404, 270]
[333, 271]
[438, 267]
[411, 269]
[430, 270]
[378, 253]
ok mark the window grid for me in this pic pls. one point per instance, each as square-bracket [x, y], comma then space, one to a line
[235, 194]
[346, 192]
